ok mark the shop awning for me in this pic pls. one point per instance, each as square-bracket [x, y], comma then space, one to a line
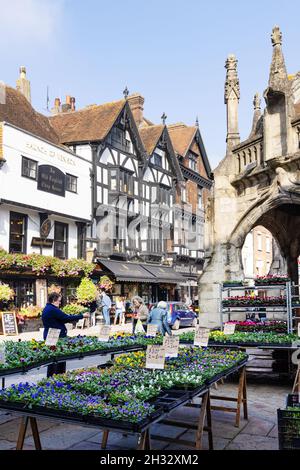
[164, 274]
[136, 272]
[125, 271]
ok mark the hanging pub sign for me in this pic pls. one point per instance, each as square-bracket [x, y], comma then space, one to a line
[51, 180]
[9, 323]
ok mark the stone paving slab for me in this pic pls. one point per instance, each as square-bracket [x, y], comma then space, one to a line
[63, 436]
[251, 442]
[259, 427]
[6, 445]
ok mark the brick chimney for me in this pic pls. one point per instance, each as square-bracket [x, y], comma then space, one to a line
[136, 103]
[56, 108]
[69, 105]
[23, 85]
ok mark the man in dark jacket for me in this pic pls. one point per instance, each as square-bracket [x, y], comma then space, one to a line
[53, 317]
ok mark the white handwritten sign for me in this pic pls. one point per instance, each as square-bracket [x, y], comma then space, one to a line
[201, 336]
[299, 329]
[229, 328]
[171, 345]
[151, 330]
[104, 333]
[52, 337]
[155, 357]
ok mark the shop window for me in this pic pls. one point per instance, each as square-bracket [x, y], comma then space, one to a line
[25, 294]
[60, 240]
[71, 183]
[17, 234]
[29, 168]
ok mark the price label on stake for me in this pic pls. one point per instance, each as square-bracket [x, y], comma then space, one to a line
[52, 337]
[201, 336]
[151, 330]
[171, 345]
[229, 328]
[104, 333]
[155, 357]
[2, 355]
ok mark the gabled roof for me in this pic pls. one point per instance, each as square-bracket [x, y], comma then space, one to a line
[182, 137]
[87, 125]
[18, 111]
[150, 136]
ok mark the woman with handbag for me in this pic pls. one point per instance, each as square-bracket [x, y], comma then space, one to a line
[140, 312]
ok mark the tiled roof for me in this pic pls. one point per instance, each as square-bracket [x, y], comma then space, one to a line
[181, 137]
[18, 111]
[150, 136]
[89, 124]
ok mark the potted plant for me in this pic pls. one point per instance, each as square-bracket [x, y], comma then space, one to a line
[6, 296]
[86, 292]
[29, 318]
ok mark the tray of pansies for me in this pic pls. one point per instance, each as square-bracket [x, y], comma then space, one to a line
[125, 396]
[24, 355]
[218, 338]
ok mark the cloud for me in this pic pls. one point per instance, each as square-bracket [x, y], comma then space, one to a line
[28, 21]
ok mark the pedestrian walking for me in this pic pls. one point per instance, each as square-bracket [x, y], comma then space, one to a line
[140, 312]
[105, 303]
[120, 310]
[159, 316]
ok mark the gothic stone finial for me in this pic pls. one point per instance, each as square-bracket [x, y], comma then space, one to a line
[163, 118]
[126, 93]
[276, 36]
[256, 101]
[232, 83]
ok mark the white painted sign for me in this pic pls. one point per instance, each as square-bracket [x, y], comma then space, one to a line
[155, 357]
[104, 333]
[171, 345]
[151, 330]
[52, 337]
[229, 328]
[201, 336]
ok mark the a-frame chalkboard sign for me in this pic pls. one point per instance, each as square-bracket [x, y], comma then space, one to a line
[9, 323]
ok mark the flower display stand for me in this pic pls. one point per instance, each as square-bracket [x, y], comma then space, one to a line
[199, 426]
[296, 386]
[22, 433]
[241, 399]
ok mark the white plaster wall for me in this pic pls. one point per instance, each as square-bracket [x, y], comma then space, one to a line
[16, 188]
[84, 151]
[33, 224]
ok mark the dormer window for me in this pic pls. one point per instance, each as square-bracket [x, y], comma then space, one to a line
[192, 161]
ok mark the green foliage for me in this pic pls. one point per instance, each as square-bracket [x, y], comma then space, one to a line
[86, 292]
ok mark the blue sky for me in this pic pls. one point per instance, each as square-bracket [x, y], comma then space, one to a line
[172, 52]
